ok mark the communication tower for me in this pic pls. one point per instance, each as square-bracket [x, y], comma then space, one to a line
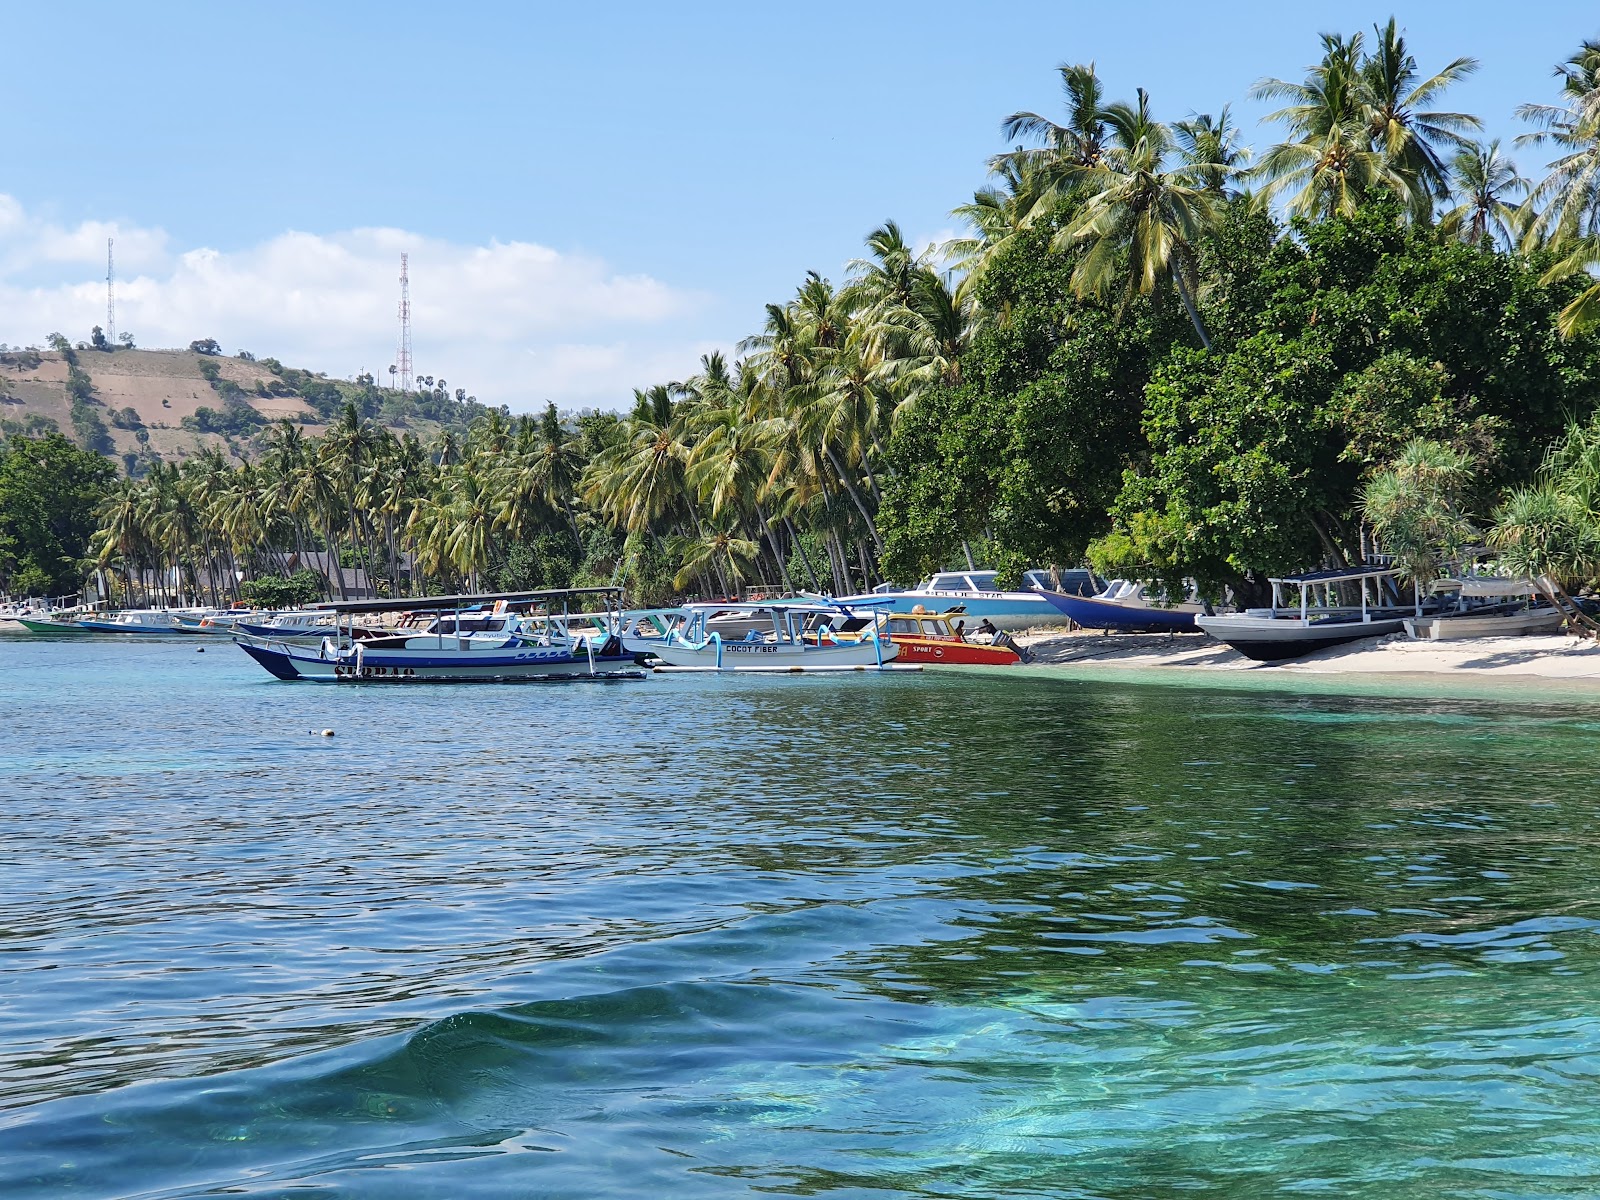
[111, 299]
[403, 357]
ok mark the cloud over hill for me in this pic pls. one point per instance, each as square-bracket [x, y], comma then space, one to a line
[513, 322]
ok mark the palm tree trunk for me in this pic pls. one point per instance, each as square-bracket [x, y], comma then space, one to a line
[1188, 304]
[777, 554]
[844, 478]
[794, 537]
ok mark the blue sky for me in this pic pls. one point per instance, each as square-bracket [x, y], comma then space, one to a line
[592, 195]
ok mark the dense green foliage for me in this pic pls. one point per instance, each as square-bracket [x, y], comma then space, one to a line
[50, 491]
[278, 591]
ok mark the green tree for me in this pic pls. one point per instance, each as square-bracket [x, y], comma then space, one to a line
[50, 492]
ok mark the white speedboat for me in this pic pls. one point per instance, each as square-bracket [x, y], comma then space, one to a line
[1284, 631]
[523, 637]
[793, 635]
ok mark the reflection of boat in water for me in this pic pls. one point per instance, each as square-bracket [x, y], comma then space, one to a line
[1486, 606]
[805, 634]
[461, 643]
[1125, 604]
[1037, 603]
[1280, 632]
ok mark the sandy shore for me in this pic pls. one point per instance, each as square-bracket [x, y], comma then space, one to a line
[1549, 656]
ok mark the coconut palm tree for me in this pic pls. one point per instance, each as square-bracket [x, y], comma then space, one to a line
[1570, 193]
[1484, 182]
[1412, 137]
[1141, 221]
[1329, 162]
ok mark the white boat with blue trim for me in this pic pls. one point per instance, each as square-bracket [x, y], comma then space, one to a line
[980, 599]
[493, 638]
[782, 635]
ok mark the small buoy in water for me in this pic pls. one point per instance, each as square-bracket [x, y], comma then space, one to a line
[327, 733]
[199, 649]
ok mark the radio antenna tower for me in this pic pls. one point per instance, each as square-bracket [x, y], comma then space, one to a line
[111, 300]
[403, 358]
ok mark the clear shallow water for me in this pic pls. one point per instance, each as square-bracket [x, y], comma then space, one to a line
[936, 935]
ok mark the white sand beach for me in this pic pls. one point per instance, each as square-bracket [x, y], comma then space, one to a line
[1549, 656]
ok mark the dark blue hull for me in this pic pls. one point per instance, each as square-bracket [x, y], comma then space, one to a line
[1099, 614]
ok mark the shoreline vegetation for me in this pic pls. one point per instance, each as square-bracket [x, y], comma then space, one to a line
[1155, 351]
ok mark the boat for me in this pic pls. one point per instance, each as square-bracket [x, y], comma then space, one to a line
[1283, 631]
[795, 635]
[50, 625]
[500, 637]
[932, 640]
[1126, 605]
[161, 622]
[1037, 603]
[1505, 607]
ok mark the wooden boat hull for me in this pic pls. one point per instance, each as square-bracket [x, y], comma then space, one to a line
[769, 655]
[1469, 625]
[35, 626]
[1275, 640]
[515, 663]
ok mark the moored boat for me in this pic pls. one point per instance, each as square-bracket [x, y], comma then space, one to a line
[135, 621]
[804, 634]
[1036, 603]
[1125, 605]
[1486, 606]
[1282, 632]
[933, 640]
[523, 638]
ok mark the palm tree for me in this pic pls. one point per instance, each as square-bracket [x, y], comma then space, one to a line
[1080, 142]
[1212, 144]
[1142, 221]
[1329, 163]
[1570, 193]
[1485, 180]
[1417, 509]
[1410, 138]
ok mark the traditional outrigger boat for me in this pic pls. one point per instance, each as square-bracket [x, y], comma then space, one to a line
[803, 634]
[1486, 606]
[471, 638]
[1281, 631]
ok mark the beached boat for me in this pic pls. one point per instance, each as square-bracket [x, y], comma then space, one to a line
[1124, 604]
[1486, 606]
[523, 637]
[53, 625]
[1282, 631]
[802, 634]
[1038, 603]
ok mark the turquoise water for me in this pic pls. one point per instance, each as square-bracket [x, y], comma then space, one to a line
[930, 935]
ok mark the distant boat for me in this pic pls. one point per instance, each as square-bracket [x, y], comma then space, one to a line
[1284, 631]
[463, 643]
[800, 634]
[1037, 603]
[49, 625]
[931, 639]
[1124, 604]
[135, 621]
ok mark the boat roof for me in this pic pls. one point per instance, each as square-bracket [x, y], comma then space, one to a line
[1339, 575]
[439, 603]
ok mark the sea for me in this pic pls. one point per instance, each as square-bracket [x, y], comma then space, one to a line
[992, 933]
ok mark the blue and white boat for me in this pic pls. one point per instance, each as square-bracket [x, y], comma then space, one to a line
[1038, 603]
[467, 641]
[805, 634]
[143, 621]
[1124, 604]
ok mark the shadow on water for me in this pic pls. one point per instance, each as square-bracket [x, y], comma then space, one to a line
[932, 936]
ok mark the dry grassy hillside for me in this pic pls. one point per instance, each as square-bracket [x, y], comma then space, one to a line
[143, 396]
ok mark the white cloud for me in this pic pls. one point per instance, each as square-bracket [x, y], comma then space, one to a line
[512, 322]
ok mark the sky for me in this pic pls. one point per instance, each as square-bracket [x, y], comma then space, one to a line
[592, 196]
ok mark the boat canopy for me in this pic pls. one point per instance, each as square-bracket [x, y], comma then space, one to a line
[1340, 575]
[1486, 585]
[441, 603]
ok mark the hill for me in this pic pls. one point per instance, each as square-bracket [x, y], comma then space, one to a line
[136, 406]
